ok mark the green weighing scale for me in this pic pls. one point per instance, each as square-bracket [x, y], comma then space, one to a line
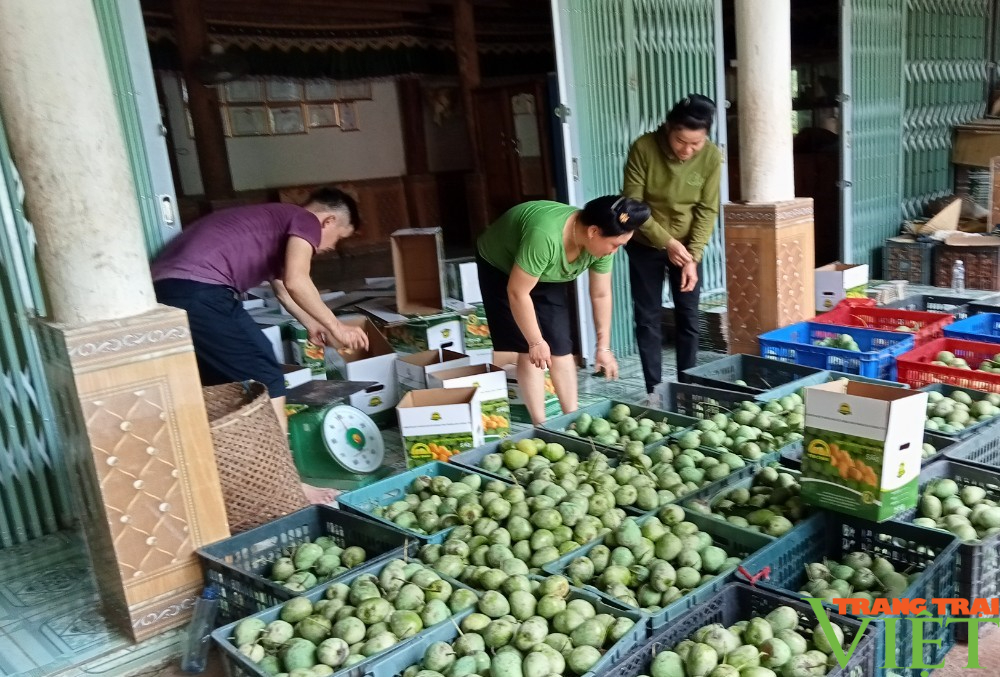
[333, 444]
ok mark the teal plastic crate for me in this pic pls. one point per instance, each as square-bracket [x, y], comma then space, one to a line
[760, 374]
[737, 602]
[238, 665]
[736, 542]
[712, 495]
[830, 536]
[978, 563]
[826, 377]
[876, 359]
[239, 565]
[384, 492]
[560, 424]
[975, 395]
[395, 663]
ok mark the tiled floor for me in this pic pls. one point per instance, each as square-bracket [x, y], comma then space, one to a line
[50, 620]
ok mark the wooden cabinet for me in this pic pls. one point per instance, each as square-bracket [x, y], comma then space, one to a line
[511, 124]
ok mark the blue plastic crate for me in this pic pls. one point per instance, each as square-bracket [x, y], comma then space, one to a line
[830, 536]
[825, 377]
[601, 409]
[979, 562]
[384, 492]
[582, 446]
[737, 542]
[760, 374]
[738, 602]
[239, 565]
[980, 327]
[877, 358]
[238, 665]
[395, 663]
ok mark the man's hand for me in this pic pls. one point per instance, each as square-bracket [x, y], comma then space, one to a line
[689, 276]
[349, 337]
[678, 253]
[605, 362]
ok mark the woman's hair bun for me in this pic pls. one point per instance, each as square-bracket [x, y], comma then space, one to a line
[694, 111]
[615, 215]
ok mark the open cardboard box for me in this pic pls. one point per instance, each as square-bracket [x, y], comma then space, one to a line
[437, 424]
[377, 363]
[837, 281]
[413, 370]
[414, 334]
[295, 375]
[492, 384]
[417, 254]
[862, 448]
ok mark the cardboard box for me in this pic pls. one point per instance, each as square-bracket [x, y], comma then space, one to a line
[415, 334]
[518, 410]
[862, 448]
[307, 354]
[377, 364]
[412, 370]
[437, 424]
[273, 335]
[837, 281]
[296, 375]
[417, 254]
[484, 356]
[492, 383]
[462, 280]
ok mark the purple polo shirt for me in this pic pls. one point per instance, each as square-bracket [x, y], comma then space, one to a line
[239, 248]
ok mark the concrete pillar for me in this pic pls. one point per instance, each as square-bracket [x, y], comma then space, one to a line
[121, 368]
[763, 60]
[79, 189]
[769, 236]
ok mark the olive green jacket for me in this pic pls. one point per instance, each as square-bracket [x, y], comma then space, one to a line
[683, 196]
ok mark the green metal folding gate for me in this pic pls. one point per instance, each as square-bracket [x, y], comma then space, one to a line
[904, 90]
[34, 494]
[622, 65]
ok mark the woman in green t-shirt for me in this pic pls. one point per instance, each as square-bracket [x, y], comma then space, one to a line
[527, 260]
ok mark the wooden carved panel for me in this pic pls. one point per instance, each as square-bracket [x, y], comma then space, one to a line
[743, 270]
[791, 286]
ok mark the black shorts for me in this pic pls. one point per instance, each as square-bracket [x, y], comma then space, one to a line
[551, 300]
[228, 344]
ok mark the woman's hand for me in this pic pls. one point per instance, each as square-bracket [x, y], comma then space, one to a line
[678, 253]
[605, 362]
[540, 355]
[689, 276]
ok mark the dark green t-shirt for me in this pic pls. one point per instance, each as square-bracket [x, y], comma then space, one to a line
[531, 235]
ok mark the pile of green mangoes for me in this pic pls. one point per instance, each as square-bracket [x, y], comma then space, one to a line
[773, 646]
[432, 504]
[652, 564]
[946, 358]
[770, 505]
[620, 427]
[991, 366]
[751, 430]
[840, 342]
[857, 575]
[966, 511]
[528, 627]
[955, 411]
[352, 622]
[310, 563]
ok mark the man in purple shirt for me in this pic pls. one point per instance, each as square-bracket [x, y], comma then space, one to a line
[206, 268]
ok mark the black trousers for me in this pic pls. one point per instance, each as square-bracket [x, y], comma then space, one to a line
[647, 269]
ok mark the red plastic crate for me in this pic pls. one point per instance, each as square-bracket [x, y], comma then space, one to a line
[915, 369]
[929, 326]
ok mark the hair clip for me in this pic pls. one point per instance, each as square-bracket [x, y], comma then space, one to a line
[617, 202]
[623, 218]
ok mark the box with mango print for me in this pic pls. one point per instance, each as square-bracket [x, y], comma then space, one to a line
[491, 381]
[438, 423]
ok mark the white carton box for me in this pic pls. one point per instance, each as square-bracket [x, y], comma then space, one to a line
[492, 384]
[838, 281]
[862, 448]
[377, 364]
[296, 375]
[412, 370]
[462, 277]
[273, 335]
[437, 424]
[518, 410]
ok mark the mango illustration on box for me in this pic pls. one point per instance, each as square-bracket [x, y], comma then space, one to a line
[375, 401]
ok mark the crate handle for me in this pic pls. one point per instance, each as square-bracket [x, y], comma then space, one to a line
[764, 573]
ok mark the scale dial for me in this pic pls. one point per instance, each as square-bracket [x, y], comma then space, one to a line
[353, 439]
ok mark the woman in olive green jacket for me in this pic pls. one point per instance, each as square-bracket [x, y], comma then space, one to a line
[677, 171]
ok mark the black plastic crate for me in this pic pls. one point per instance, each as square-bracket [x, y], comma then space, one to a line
[981, 449]
[736, 602]
[988, 304]
[699, 401]
[934, 303]
[239, 565]
[759, 373]
[907, 259]
[830, 536]
[978, 563]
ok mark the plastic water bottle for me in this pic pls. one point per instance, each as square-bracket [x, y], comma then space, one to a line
[199, 640]
[958, 276]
